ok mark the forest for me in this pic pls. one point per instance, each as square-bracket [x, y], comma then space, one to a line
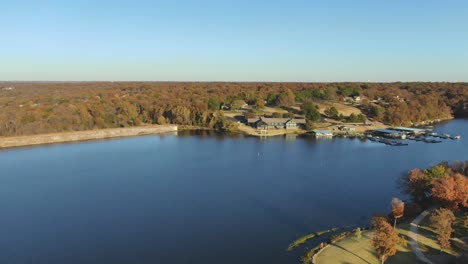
[28, 108]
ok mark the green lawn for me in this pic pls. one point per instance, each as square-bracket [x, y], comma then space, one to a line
[351, 250]
[359, 251]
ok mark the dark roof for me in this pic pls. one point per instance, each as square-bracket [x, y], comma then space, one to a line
[276, 120]
[299, 120]
[410, 129]
[387, 131]
[282, 120]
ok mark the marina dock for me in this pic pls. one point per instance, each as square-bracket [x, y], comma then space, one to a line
[399, 136]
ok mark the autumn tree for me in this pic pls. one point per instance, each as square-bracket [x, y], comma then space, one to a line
[377, 219]
[220, 123]
[260, 103]
[451, 191]
[385, 240]
[398, 208]
[237, 104]
[442, 220]
[286, 99]
[416, 185]
[179, 115]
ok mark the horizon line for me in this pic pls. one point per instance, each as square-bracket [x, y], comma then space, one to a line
[213, 81]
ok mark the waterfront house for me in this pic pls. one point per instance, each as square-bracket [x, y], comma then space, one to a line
[265, 123]
[322, 133]
[347, 129]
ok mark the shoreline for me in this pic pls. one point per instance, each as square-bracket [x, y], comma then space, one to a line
[108, 133]
[63, 137]
[279, 132]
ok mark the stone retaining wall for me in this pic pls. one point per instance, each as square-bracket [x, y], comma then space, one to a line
[8, 142]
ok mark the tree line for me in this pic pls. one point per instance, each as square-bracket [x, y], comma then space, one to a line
[44, 107]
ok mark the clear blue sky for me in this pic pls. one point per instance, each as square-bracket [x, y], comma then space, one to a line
[237, 40]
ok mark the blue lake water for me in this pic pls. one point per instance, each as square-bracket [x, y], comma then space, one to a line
[196, 197]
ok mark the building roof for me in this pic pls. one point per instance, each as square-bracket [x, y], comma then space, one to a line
[274, 120]
[252, 120]
[299, 120]
[277, 120]
[409, 129]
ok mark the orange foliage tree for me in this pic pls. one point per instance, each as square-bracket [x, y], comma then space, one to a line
[416, 185]
[451, 191]
[385, 240]
[442, 220]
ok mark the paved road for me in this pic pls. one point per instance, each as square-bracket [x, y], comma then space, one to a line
[414, 235]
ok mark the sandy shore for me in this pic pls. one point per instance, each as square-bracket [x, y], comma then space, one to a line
[9, 142]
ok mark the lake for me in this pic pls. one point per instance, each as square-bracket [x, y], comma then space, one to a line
[197, 197]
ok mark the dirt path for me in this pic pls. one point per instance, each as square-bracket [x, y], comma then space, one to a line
[414, 235]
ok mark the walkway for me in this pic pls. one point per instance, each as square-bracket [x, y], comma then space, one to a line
[414, 235]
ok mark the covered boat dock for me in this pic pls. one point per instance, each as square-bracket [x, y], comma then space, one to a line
[389, 133]
[410, 130]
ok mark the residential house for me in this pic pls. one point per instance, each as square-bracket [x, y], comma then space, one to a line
[347, 129]
[265, 123]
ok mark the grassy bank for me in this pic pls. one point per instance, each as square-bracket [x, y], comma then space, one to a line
[304, 239]
[357, 251]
